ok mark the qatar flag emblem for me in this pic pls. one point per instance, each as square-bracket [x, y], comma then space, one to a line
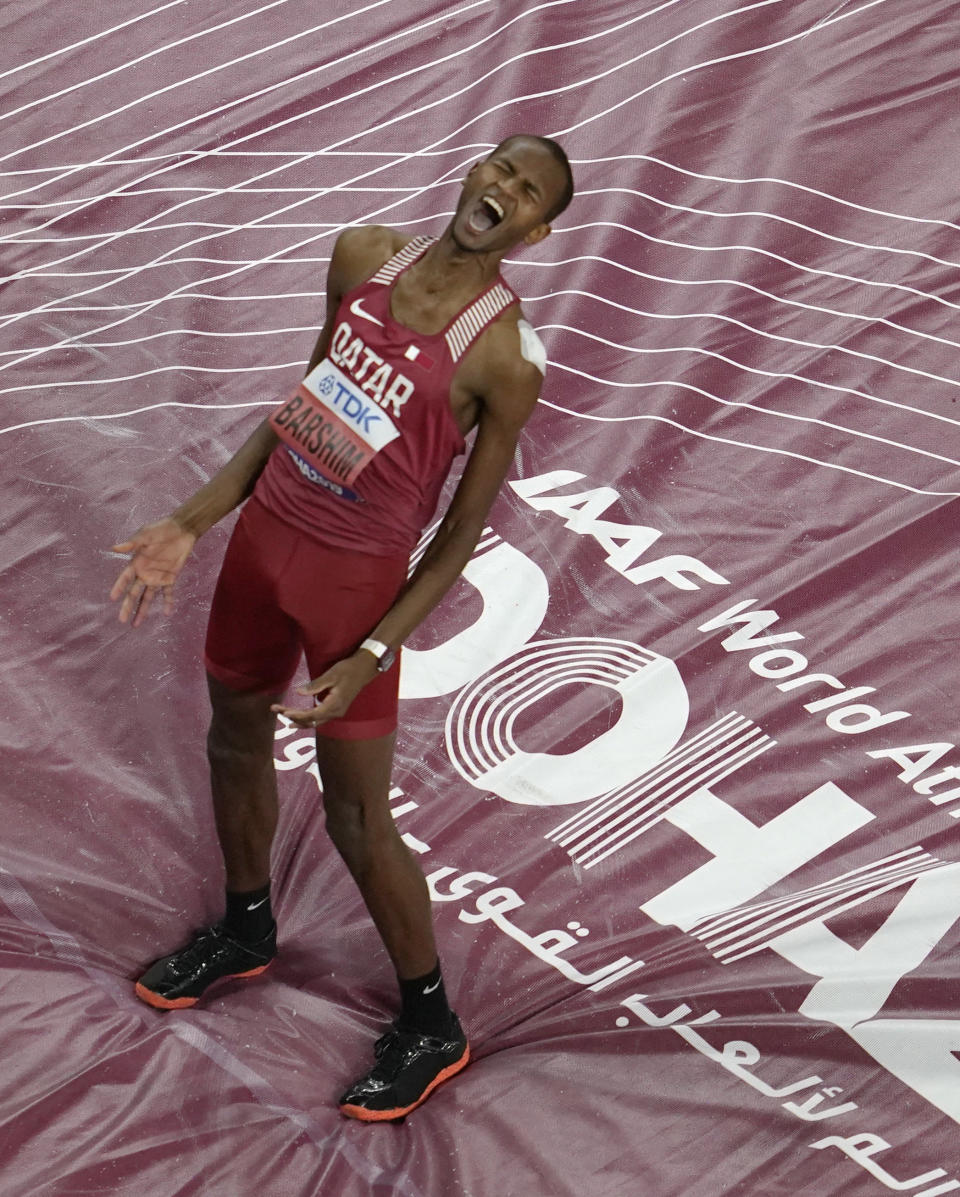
[413, 353]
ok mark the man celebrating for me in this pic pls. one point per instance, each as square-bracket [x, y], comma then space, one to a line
[422, 342]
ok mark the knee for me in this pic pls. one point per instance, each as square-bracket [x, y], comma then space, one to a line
[357, 833]
[346, 824]
[229, 747]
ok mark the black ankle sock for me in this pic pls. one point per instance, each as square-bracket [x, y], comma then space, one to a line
[249, 916]
[424, 1005]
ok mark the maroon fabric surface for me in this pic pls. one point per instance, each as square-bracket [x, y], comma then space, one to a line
[696, 879]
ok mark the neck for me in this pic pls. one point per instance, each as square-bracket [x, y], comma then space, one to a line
[447, 264]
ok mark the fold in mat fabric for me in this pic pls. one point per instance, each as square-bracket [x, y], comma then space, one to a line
[677, 751]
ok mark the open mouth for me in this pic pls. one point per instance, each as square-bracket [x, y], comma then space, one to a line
[486, 215]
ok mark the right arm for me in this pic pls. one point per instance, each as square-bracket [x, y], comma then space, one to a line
[228, 487]
[235, 482]
[158, 551]
[356, 254]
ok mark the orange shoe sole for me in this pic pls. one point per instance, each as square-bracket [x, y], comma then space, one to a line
[362, 1114]
[162, 1003]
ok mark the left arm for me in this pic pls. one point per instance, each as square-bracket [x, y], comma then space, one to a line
[506, 405]
[501, 419]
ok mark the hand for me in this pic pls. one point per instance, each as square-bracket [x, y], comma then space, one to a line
[340, 685]
[158, 552]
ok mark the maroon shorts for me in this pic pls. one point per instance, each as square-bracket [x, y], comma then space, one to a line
[280, 594]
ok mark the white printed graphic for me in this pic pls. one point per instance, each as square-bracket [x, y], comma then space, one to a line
[862, 1147]
[749, 859]
[750, 929]
[739, 1058]
[515, 597]
[924, 1053]
[480, 725]
[855, 982]
[617, 818]
[625, 544]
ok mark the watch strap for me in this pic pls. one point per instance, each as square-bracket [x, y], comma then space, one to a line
[384, 654]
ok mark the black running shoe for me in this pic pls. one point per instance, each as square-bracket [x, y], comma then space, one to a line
[409, 1067]
[179, 980]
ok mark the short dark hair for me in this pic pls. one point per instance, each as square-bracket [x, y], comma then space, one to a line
[559, 155]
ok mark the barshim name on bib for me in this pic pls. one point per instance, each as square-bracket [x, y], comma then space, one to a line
[333, 425]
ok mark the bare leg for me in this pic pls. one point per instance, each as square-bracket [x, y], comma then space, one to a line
[242, 779]
[412, 1059]
[356, 784]
[243, 782]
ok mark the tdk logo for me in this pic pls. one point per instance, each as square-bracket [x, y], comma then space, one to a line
[348, 406]
[358, 411]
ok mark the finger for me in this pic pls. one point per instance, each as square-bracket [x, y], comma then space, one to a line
[131, 601]
[146, 599]
[317, 686]
[300, 718]
[126, 547]
[124, 578]
[330, 708]
[168, 600]
[127, 608]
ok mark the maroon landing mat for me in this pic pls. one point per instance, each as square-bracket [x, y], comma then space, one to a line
[677, 753]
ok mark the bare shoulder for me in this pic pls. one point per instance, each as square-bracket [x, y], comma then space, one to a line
[510, 357]
[501, 375]
[359, 252]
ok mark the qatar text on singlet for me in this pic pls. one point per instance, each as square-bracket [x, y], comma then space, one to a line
[368, 437]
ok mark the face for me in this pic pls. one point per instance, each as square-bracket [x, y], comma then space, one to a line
[506, 197]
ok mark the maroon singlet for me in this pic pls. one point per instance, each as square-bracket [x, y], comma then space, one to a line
[368, 437]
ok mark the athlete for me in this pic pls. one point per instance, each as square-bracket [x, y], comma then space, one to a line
[423, 341]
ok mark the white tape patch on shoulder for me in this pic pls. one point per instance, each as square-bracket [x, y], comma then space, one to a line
[531, 346]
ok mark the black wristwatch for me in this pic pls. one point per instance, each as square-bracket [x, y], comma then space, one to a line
[384, 654]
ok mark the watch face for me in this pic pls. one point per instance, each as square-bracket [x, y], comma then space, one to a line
[387, 660]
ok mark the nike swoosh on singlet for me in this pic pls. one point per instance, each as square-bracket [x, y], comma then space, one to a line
[358, 310]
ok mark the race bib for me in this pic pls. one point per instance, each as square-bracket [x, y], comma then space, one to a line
[333, 427]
